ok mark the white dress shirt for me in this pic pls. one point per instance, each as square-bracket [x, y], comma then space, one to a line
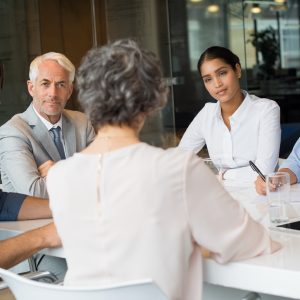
[143, 212]
[254, 135]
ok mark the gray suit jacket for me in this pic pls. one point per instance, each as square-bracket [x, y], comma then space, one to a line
[25, 144]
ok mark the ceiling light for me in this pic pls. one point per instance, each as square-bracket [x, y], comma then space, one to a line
[213, 8]
[255, 9]
[280, 1]
[282, 7]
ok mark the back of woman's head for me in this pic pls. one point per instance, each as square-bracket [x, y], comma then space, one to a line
[119, 82]
[217, 52]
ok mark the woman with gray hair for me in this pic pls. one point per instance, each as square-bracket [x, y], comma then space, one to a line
[139, 211]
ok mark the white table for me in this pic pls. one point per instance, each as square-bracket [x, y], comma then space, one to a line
[10, 229]
[277, 274]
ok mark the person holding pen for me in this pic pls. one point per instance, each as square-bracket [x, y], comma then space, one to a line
[291, 165]
[237, 128]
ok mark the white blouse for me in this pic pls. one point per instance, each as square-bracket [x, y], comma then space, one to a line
[254, 135]
[144, 212]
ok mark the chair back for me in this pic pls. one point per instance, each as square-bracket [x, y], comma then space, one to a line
[27, 289]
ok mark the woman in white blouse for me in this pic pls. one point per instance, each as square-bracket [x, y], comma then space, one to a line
[239, 127]
[126, 210]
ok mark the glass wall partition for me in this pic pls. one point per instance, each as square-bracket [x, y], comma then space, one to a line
[194, 26]
[29, 28]
[264, 34]
[273, 53]
[19, 40]
[147, 22]
[272, 40]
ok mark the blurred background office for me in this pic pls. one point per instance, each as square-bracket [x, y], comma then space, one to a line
[264, 34]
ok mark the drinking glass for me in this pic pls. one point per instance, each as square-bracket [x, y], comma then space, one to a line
[278, 193]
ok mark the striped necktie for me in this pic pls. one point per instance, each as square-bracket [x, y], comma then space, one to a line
[57, 141]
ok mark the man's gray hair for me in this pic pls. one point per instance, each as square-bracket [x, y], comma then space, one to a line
[119, 82]
[58, 57]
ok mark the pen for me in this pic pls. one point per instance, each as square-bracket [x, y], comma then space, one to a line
[256, 169]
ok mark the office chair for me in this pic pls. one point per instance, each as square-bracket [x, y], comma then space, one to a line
[290, 132]
[27, 289]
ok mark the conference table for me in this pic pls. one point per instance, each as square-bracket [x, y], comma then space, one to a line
[272, 275]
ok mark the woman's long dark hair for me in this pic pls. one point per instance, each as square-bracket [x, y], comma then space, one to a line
[217, 52]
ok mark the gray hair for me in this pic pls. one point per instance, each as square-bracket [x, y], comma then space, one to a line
[58, 57]
[119, 82]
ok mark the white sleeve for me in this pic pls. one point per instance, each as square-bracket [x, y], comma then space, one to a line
[218, 222]
[241, 175]
[269, 139]
[268, 144]
[193, 138]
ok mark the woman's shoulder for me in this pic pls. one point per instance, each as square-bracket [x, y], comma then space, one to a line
[262, 102]
[178, 156]
[71, 164]
[210, 106]
[209, 110]
[169, 154]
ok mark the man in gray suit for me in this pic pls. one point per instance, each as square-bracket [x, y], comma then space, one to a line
[31, 142]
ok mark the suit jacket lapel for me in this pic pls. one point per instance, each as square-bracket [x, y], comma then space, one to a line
[69, 134]
[41, 134]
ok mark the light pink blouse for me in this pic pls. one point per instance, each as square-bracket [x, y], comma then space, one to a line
[143, 212]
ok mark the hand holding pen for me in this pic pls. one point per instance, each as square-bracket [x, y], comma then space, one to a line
[260, 183]
[257, 170]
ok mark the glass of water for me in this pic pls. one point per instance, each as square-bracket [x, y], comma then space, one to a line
[278, 193]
